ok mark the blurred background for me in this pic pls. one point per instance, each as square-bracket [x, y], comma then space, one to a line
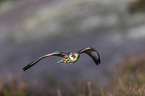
[32, 28]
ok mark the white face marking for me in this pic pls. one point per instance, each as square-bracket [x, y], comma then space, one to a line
[73, 56]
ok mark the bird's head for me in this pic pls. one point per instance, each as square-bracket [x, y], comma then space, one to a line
[73, 56]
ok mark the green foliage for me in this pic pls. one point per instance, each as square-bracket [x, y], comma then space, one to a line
[137, 6]
[1, 1]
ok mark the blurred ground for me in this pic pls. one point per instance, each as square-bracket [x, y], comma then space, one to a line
[127, 80]
[30, 29]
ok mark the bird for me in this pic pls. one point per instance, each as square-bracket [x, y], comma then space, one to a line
[70, 57]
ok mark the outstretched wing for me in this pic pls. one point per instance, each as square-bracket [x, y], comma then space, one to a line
[92, 53]
[57, 53]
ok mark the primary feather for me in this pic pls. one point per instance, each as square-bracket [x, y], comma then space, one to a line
[70, 57]
[92, 53]
[57, 53]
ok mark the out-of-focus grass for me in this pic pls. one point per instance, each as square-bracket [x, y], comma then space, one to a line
[127, 80]
[13, 86]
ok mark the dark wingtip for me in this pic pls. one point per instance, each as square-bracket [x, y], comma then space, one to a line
[24, 69]
[99, 61]
[27, 67]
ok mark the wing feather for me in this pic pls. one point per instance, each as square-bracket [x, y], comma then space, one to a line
[57, 53]
[90, 51]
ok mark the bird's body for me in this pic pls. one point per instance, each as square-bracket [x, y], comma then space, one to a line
[70, 57]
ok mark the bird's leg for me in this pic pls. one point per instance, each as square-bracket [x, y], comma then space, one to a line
[64, 60]
[60, 61]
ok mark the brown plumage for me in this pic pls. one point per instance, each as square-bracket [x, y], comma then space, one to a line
[70, 58]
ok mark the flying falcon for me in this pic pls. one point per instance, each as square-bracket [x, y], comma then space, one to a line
[70, 57]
